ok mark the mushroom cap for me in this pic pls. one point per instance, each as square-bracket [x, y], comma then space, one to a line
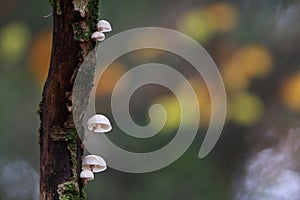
[98, 36]
[104, 26]
[99, 124]
[87, 174]
[93, 163]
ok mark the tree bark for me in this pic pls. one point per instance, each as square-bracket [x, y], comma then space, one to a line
[60, 146]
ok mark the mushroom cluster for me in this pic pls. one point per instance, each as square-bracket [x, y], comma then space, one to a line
[91, 164]
[103, 26]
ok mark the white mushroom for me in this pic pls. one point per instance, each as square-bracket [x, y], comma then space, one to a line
[93, 163]
[86, 175]
[98, 36]
[104, 26]
[99, 124]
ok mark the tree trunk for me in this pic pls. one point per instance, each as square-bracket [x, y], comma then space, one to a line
[60, 146]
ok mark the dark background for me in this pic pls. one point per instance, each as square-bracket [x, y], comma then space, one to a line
[254, 43]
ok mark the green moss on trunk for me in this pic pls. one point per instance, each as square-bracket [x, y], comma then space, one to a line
[93, 10]
[74, 23]
[71, 139]
[89, 10]
[68, 191]
[55, 4]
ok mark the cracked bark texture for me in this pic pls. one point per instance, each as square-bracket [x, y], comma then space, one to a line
[60, 147]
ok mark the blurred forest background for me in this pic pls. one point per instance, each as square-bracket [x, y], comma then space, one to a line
[254, 43]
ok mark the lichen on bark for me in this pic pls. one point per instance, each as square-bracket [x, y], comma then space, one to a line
[81, 6]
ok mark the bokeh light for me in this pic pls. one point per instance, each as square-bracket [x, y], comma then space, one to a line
[39, 58]
[14, 40]
[109, 78]
[289, 92]
[251, 61]
[222, 16]
[202, 23]
[195, 24]
[255, 46]
[245, 108]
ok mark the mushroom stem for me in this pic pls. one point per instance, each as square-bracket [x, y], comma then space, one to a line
[92, 167]
[85, 181]
[87, 136]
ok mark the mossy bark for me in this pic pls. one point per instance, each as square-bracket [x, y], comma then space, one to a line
[60, 146]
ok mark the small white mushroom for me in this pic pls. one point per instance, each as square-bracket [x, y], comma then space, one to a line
[93, 163]
[86, 175]
[99, 124]
[69, 108]
[98, 36]
[104, 26]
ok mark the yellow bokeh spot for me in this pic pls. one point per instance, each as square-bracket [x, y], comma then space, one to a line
[222, 16]
[289, 92]
[109, 78]
[252, 61]
[39, 58]
[196, 24]
[204, 101]
[257, 61]
[173, 111]
[14, 39]
[234, 77]
[146, 38]
[145, 55]
[245, 108]
[188, 103]
[201, 24]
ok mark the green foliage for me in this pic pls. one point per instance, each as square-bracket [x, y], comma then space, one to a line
[38, 110]
[51, 2]
[93, 10]
[71, 139]
[55, 4]
[68, 191]
[83, 30]
[83, 193]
